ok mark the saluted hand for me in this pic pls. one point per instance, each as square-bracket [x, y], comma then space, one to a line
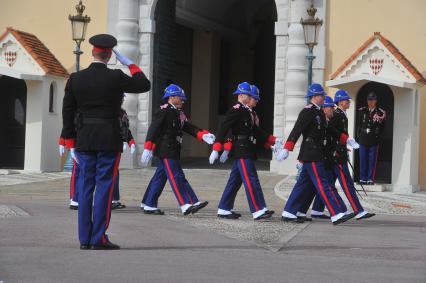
[123, 59]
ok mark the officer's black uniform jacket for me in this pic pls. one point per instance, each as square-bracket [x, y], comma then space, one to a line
[370, 125]
[312, 124]
[339, 123]
[242, 125]
[166, 131]
[94, 97]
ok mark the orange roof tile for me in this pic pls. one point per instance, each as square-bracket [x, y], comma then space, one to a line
[392, 49]
[39, 52]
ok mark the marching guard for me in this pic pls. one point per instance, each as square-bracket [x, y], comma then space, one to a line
[242, 123]
[164, 139]
[311, 123]
[93, 99]
[338, 157]
[371, 123]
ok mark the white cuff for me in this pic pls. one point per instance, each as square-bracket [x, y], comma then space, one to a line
[361, 214]
[300, 214]
[73, 203]
[185, 207]
[314, 212]
[149, 208]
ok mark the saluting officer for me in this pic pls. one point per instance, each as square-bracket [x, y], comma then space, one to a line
[371, 123]
[243, 124]
[93, 96]
[311, 123]
[164, 139]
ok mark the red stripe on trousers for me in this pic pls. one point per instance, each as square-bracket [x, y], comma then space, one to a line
[334, 195]
[249, 185]
[345, 186]
[375, 164]
[111, 189]
[330, 208]
[173, 182]
[73, 180]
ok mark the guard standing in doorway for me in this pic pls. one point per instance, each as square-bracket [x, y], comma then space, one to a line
[371, 123]
[93, 98]
[243, 124]
[164, 139]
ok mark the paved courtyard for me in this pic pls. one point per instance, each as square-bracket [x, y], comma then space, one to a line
[38, 241]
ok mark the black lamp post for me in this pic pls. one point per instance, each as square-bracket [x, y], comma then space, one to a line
[311, 28]
[78, 27]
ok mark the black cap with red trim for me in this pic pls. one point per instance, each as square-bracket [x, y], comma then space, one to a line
[103, 42]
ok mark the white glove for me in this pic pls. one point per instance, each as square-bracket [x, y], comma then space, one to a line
[282, 154]
[209, 138]
[73, 156]
[352, 143]
[123, 59]
[299, 165]
[224, 156]
[276, 148]
[124, 146]
[278, 143]
[61, 150]
[214, 156]
[146, 156]
[132, 148]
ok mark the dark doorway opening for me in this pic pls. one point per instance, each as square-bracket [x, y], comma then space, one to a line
[12, 122]
[385, 100]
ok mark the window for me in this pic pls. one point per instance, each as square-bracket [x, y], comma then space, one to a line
[52, 98]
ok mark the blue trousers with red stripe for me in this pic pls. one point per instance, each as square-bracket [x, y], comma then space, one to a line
[116, 193]
[368, 162]
[318, 204]
[342, 173]
[73, 181]
[313, 175]
[243, 172]
[98, 171]
[169, 169]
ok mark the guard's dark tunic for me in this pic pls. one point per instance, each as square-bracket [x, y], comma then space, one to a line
[242, 125]
[370, 125]
[166, 131]
[93, 96]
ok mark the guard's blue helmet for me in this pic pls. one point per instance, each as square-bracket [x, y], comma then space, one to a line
[174, 90]
[255, 92]
[243, 88]
[314, 90]
[328, 102]
[340, 95]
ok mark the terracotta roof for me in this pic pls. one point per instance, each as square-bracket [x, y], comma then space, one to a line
[392, 49]
[39, 52]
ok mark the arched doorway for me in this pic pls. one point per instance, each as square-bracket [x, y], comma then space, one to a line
[12, 122]
[385, 100]
[202, 46]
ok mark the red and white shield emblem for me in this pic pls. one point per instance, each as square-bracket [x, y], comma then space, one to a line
[10, 57]
[376, 65]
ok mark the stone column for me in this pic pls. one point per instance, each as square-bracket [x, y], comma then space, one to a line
[146, 51]
[281, 34]
[127, 35]
[289, 97]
